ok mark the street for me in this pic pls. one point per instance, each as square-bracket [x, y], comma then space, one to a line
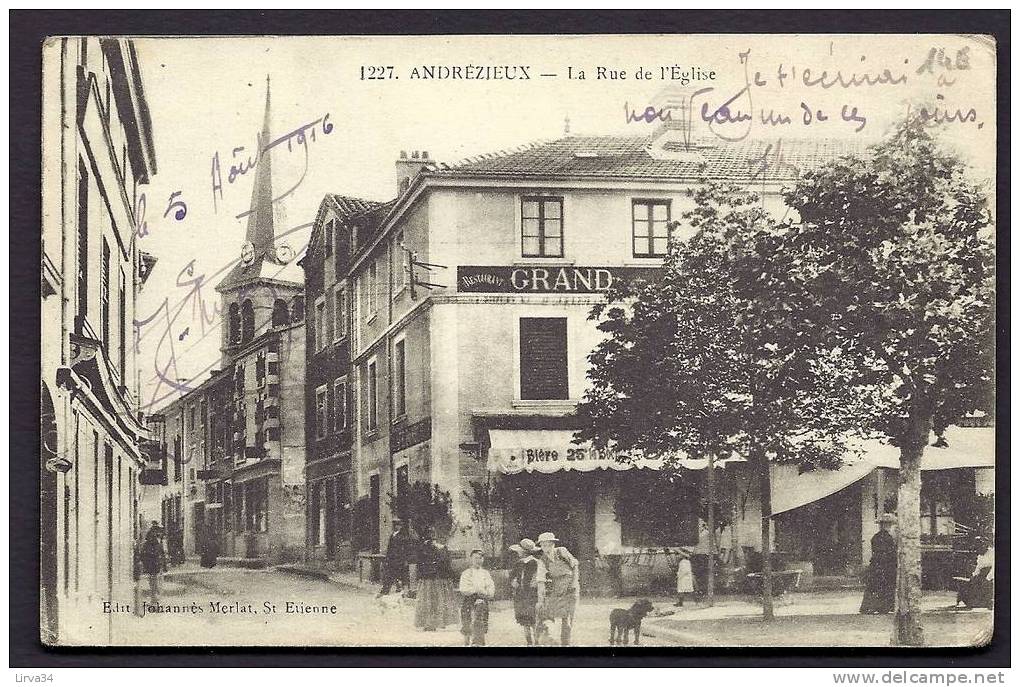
[237, 607]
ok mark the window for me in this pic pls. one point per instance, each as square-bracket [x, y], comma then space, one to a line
[340, 313]
[373, 396]
[235, 324]
[650, 220]
[543, 358]
[403, 481]
[122, 312]
[666, 513]
[373, 286]
[339, 405]
[83, 243]
[247, 321]
[542, 227]
[399, 378]
[320, 325]
[399, 258]
[342, 252]
[104, 295]
[327, 236]
[281, 313]
[320, 412]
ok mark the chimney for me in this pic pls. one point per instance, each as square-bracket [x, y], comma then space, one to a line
[408, 167]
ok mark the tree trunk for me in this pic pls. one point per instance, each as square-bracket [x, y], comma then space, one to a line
[737, 556]
[712, 548]
[765, 490]
[907, 629]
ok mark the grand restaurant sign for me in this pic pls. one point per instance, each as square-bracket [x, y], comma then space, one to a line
[546, 278]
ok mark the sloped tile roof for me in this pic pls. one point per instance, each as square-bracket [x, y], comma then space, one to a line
[350, 206]
[637, 157]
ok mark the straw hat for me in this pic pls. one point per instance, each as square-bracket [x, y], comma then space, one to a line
[528, 545]
[548, 536]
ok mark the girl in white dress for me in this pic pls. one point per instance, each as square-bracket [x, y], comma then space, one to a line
[684, 578]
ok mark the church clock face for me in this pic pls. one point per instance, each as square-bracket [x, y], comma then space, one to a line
[247, 253]
[284, 253]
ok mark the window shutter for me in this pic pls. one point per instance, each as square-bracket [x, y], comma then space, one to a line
[544, 358]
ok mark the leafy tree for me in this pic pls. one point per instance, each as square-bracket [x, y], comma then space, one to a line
[707, 361]
[488, 500]
[897, 252]
[427, 510]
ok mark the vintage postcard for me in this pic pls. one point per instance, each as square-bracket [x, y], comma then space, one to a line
[475, 341]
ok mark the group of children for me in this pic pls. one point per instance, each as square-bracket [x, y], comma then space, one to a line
[545, 585]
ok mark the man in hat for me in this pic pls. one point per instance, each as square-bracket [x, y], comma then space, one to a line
[399, 551]
[478, 589]
[559, 586]
[880, 576]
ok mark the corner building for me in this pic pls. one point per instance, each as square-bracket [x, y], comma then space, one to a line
[468, 298]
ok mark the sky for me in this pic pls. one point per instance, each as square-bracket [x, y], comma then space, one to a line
[207, 96]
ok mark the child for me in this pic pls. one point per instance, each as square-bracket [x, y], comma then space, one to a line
[684, 578]
[477, 587]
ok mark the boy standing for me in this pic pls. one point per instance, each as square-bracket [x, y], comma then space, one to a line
[477, 587]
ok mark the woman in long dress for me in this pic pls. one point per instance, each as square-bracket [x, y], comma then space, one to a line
[559, 585]
[524, 583]
[436, 604]
[880, 577]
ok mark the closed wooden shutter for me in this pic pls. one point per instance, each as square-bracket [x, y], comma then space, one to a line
[544, 358]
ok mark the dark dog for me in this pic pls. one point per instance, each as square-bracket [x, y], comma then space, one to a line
[622, 621]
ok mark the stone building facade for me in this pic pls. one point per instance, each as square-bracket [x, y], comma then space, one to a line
[97, 130]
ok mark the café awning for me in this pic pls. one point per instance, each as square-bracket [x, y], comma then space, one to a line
[793, 489]
[552, 450]
[967, 447]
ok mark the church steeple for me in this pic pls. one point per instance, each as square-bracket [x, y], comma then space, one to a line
[259, 258]
[261, 225]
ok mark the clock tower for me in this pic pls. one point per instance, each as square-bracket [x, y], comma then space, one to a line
[264, 290]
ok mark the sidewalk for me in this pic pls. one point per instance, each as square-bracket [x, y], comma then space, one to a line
[800, 603]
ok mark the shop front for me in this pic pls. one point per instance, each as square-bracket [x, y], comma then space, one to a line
[606, 508]
[330, 505]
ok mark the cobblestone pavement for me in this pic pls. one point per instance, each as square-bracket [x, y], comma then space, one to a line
[235, 607]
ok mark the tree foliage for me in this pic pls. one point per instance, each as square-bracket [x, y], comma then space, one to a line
[426, 508]
[488, 500]
[710, 358]
[896, 250]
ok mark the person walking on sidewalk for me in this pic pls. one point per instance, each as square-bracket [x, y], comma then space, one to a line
[478, 589]
[399, 552]
[153, 560]
[880, 576]
[559, 585]
[524, 585]
[436, 603]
